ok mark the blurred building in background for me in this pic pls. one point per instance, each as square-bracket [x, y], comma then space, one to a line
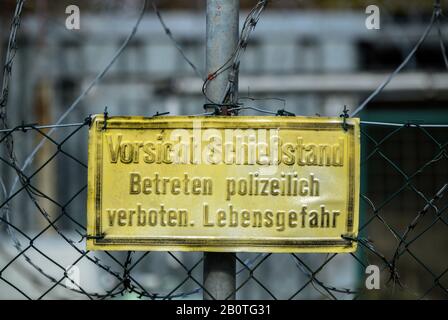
[316, 55]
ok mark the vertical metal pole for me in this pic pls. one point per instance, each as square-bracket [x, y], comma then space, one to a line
[222, 38]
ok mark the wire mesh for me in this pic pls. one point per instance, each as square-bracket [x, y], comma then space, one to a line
[43, 224]
[403, 228]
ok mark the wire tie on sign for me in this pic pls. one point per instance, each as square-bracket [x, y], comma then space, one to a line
[283, 112]
[216, 108]
[88, 120]
[344, 115]
[161, 114]
[96, 237]
[106, 116]
[92, 237]
[366, 242]
[348, 236]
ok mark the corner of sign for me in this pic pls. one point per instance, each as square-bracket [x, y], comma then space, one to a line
[352, 244]
[97, 117]
[353, 247]
[356, 121]
[90, 246]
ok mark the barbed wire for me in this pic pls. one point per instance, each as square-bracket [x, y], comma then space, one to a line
[250, 98]
[435, 17]
[7, 74]
[439, 33]
[9, 60]
[175, 43]
[412, 226]
[230, 96]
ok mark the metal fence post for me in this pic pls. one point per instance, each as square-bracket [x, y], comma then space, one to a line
[219, 277]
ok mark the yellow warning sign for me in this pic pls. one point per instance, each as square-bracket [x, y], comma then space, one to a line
[260, 184]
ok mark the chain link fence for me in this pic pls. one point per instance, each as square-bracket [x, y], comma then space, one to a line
[403, 229]
[43, 217]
